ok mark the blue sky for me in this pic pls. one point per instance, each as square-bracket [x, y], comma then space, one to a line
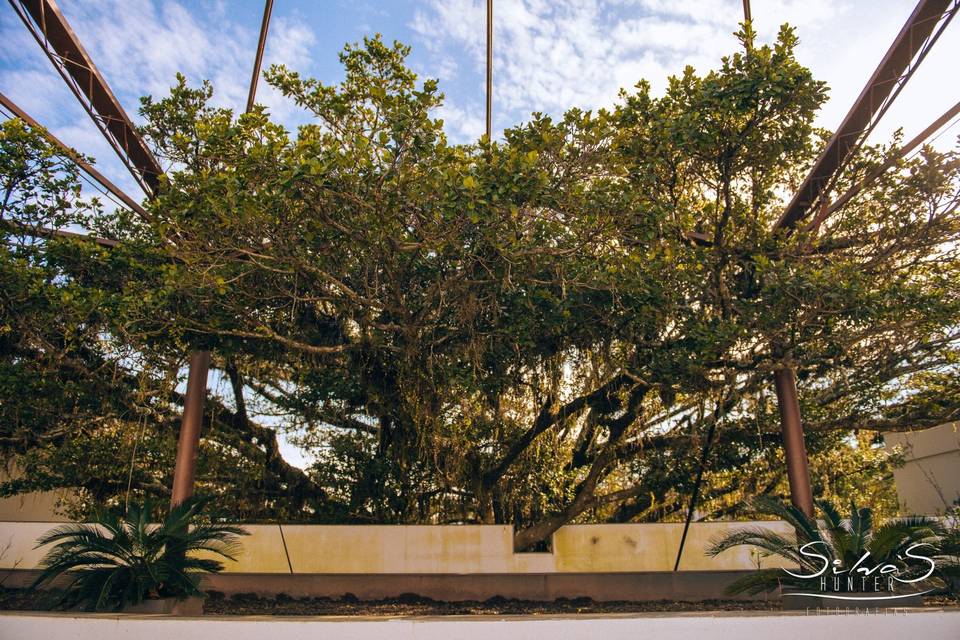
[549, 55]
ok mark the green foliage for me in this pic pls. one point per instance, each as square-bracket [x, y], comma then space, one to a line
[120, 559]
[40, 311]
[949, 558]
[519, 331]
[843, 541]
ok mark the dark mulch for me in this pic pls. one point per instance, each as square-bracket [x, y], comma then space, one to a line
[414, 605]
[26, 600]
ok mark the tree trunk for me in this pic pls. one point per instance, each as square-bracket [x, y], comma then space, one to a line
[526, 538]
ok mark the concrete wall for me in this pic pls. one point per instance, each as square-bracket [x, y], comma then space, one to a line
[603, 562]
[39, 506]
[686, 586]
[929, 482]
[322, 549]
[31, 507]
[925, 625]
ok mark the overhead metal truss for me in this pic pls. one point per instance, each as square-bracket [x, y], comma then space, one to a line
[52, 31]
[87, 168]
[45, 21]
[909, 48]
[902, 152]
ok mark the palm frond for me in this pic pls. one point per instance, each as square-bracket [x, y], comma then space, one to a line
[843, 540]
[805, 526]
[765, 539]
[893, 537]
[861, 526]
[119, 559]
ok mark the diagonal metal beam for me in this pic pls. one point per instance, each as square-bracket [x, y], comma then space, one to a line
[12, 107]
[917, 140]
[45, 21]
[909, 48]
[51, 30]
[918, 35]
[47, 232]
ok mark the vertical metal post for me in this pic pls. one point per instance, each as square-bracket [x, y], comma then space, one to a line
[746, 11]
[264, 26]
[798, 471]
[696, 492]
[185, 470]
[489, 69]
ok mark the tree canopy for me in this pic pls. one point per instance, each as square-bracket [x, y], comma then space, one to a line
[532, 330]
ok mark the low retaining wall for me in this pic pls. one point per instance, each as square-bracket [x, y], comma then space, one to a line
[602, 562]
[467, 549]
[928, 625]
[689, 586]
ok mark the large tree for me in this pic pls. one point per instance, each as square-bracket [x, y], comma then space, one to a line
[523, 331]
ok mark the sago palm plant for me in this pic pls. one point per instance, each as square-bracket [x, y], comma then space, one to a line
[120, 559]
[843, 541]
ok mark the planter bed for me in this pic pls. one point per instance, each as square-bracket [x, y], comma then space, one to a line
[411, 605]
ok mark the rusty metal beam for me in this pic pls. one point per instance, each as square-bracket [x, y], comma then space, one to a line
[791, 426]
[45, 21]
[909, 48]
[489, 70]
[917, 140]
[47, 232]
[51, 30]
[258, 61]
[77, 159]
[188, 444]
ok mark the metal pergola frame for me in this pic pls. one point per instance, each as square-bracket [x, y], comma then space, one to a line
[50, 28]
[926, 23]
[911, 45]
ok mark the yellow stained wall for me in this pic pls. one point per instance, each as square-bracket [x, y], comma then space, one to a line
[37, 506]
[374, 549]
[653, 547]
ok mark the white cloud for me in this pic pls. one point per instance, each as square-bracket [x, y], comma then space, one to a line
[768, 15]
[139, 46]
[461, 123]
[553, 55]
[550, 56]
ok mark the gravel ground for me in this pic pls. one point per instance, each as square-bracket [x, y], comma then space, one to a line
[413, 605]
